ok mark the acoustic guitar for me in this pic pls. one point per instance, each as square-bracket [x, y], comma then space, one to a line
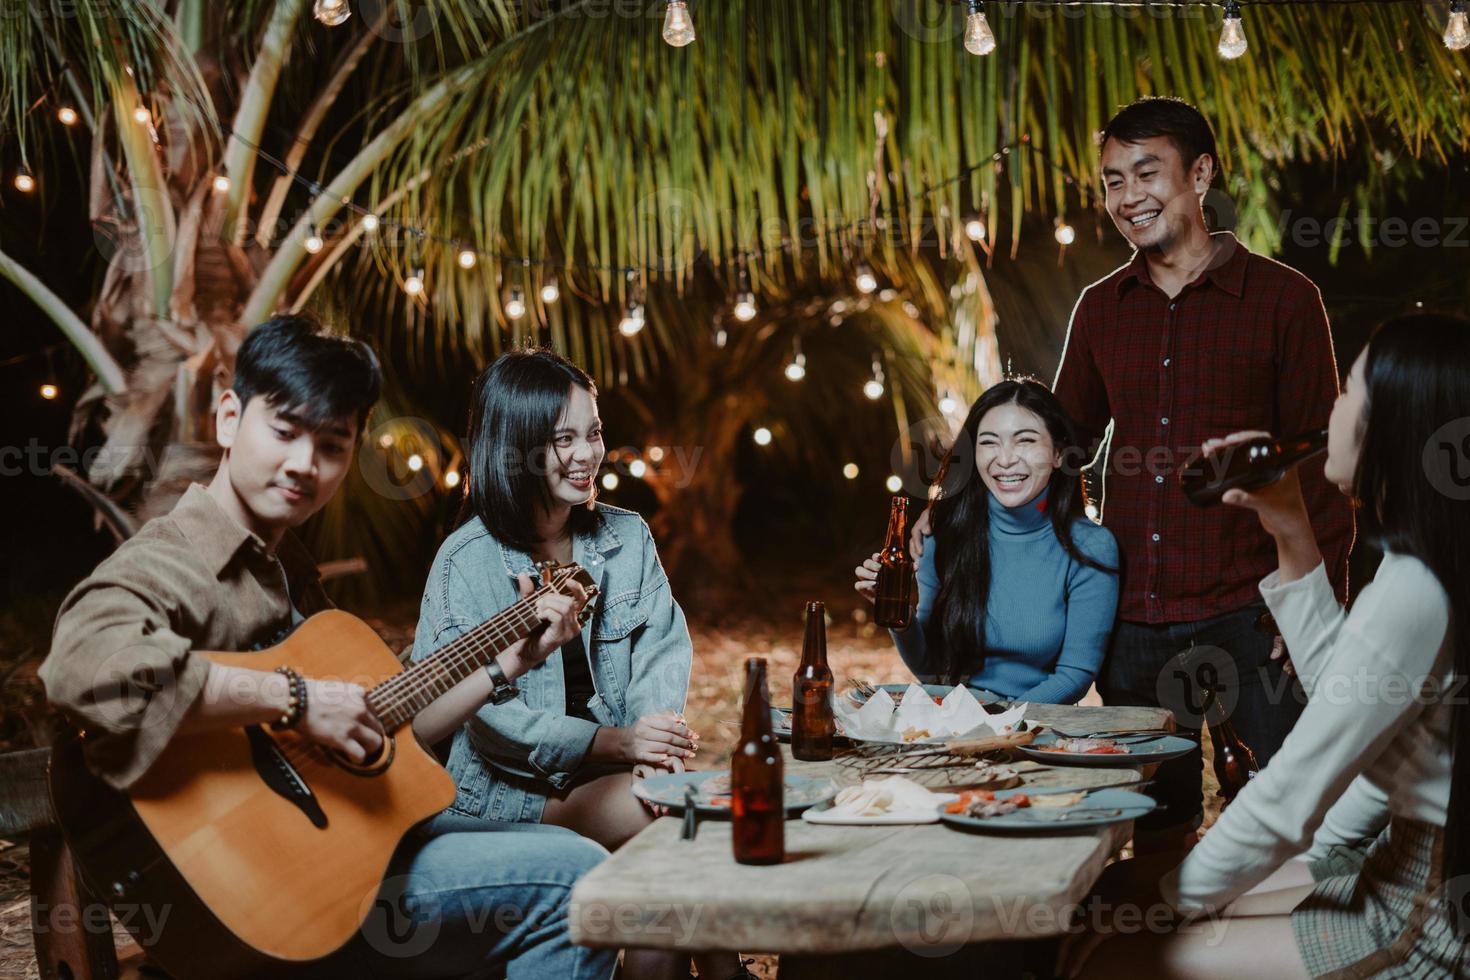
[260, 853]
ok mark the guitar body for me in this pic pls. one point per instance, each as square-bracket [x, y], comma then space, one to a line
[266, 851]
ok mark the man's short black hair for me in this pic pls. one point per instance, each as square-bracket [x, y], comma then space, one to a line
[299, 368]
[1174, 119]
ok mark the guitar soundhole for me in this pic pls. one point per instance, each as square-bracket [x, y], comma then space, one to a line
[374, 765]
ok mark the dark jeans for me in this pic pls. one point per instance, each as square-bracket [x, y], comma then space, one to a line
[1160, 665]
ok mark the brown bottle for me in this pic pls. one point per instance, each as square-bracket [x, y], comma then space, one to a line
[757, 802]
[1248, 466]
[1235, 763]
[812, 724]
[894, 596]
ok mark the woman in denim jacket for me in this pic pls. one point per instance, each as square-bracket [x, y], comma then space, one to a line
[607, 707]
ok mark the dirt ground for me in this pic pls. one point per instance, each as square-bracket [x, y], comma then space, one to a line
[856, 651]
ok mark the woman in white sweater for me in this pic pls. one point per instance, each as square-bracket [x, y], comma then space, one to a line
[1384, 735]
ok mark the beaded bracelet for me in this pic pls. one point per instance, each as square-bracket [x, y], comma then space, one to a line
[297, 706]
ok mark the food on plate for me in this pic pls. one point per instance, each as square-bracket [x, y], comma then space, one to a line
[914, 734]
[716, 786]
[983, 803]
[880, 797]
[1086, 746]
[1059, 799]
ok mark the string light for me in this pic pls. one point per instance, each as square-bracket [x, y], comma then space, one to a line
[796, 367]
[1232, 33]
[866, 281]
[609, 481]
[331, 12]
[67, 115]
[633, 321]
[515, 307]
[49, 391]
[221, 183]
[414, 284]
[745, 308]
[550, 291]
[466, 259]
[370, 222]
[313, 243]
[893, 483]
[979, 40]
[1457, 31]
[25, 181]
[678, 25]
[1065, 233]
[975, 230]
[142, 115]
[722, 337]
[415, 462]
[850, 471]
[873, 387]
[947, 404]
[762, 436]
[656, 453]
[451, 479]
[386, 440]
[637, 469]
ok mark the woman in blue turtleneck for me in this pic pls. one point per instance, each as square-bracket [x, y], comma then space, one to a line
[1018, 589]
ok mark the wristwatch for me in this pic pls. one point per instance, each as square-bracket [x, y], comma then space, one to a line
[502, 690]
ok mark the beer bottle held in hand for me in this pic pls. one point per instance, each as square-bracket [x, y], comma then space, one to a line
[1235, 763]
[895, 591]
[757, 802]
[1248, 466]
[812, 723]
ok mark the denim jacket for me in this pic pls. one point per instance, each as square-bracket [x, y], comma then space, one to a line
[507, 758]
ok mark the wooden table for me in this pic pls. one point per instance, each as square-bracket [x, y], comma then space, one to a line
[928, 889]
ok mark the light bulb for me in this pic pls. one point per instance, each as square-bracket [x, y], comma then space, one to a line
[141, 114]
[637, 469]
[656, 453]
[415, 462]
[1065, 233]
[796, 368]
[745, 308]
[632, 321]
[888, 295]
[762, 436]
[722, 337]
[67, 115]
[515, 307]
[370, 222]
[49, 391]
[331, 12]
[414, 284]
[678, 25]
[1457, 31]
[893, 483]
[850, 471]
[466, 259]
[947, 404]
[873, 389]
[313, 243]
[451, 479]
[978, 38]
[866, 281]
[1232, 33]
[385, 440]
[975, 230]
[221, 183]
[609, 481]
[24, 181]
[550, 291]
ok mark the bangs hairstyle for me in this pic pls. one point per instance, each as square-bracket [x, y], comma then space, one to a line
[961, 523]
[303, 371]
[1174, 119]
[1410, 485]
[514, 410]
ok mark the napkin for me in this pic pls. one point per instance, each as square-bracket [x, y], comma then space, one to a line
[885, 801]
[958, 715]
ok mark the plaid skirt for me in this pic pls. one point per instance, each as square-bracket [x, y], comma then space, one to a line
[1393, 918]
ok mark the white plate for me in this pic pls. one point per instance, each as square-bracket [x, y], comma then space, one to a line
[830, 815]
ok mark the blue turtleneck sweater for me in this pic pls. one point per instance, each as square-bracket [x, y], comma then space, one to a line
[1048, 617]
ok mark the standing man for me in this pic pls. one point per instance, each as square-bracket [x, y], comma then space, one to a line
[1195, 337]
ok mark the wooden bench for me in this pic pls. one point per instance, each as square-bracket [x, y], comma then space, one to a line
[71, 927]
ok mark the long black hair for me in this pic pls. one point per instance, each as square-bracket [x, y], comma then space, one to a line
[1411, 493]
[960, 520]
[516, 404]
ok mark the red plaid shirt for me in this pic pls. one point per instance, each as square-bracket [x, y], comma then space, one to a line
[1244, 346]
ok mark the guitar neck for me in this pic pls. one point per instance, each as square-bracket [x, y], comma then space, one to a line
[399, 698]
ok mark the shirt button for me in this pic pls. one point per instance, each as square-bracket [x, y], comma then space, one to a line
[1171, 307]
[1164, 421]
[1166, 362]
[1156, 537]
[1158, 479]
[1153, 595]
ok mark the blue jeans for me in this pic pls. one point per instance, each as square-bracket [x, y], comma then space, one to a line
[465, 897]
[1143, 664]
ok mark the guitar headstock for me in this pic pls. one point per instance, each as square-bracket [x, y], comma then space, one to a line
[556, 577]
